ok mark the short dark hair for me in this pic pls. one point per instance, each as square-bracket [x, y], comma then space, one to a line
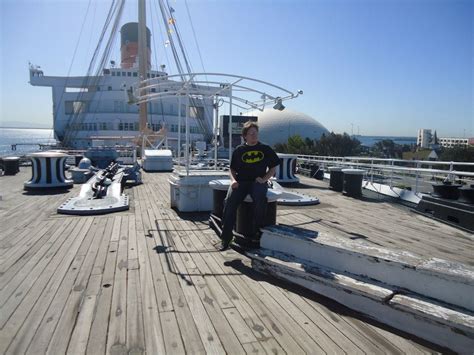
[247, 125]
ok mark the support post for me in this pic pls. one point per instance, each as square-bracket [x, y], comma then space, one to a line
[187, 133]
[142, 64]
[230, 123]
[417, 177]
[216, 130]
[391, 174]
[179, 131]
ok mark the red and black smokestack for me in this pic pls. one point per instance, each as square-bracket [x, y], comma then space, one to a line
[129, 45]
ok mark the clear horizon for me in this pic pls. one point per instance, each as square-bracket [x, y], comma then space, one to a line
[380, 68]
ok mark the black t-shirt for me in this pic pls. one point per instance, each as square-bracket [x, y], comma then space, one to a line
[250, 162]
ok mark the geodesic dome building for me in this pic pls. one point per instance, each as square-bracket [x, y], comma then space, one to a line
[277, 126]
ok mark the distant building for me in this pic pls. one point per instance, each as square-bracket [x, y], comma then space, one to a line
[424, 138]
[433, 156]
[450, 142]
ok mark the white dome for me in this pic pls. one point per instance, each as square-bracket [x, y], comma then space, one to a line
[277, 126]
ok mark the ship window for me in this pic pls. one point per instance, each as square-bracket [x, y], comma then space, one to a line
[196, 112]
[157, 108]
[129, 74]
[110, 88]
[118, 106]
[152, 75]
[120, 127]
[171, 109]
[113, 73]
[153, 90]
[135, 74]
[124, 74]
[74, 107]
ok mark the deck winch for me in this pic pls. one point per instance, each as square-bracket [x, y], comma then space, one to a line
[103, 193]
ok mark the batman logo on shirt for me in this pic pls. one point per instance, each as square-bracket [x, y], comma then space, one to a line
[252, 156]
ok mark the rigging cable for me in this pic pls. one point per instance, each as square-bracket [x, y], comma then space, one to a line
[195, 38]
[202, 123]
[89, 81]
[56, 108]
[74, 115]
[156, 61]
[165, 17]
[200, 58]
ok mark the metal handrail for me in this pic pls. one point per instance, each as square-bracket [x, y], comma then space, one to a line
[373, 167]
[398, 168]
[423, 162]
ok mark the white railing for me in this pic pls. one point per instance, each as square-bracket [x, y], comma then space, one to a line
[414, 175]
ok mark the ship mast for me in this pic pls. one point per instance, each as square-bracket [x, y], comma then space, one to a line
[142, 63]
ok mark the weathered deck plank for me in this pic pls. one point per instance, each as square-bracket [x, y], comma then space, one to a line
[97, 342]
[117, 336]
[30, 260]
[153, 332]
[29, 314]
[82, 328]
[206, 329]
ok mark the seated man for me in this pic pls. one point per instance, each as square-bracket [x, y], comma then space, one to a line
[252, 165]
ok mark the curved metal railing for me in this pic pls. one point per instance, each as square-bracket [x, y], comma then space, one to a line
[414, 175]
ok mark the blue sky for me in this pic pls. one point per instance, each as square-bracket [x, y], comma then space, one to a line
[383, 67]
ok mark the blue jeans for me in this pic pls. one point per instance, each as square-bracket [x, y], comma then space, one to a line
[234, 198]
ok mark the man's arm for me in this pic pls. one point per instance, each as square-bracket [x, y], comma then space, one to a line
[233, 179]
[232, 175]
[267, 176]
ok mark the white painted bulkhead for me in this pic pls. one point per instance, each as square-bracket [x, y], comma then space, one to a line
[107, 112]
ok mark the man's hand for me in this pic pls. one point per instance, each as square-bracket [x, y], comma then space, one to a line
[234, 184]
[260, 180]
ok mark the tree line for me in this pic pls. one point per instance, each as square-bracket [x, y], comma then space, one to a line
[343, 145]
[329, 145]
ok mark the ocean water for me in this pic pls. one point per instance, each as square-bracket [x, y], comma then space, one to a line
[369, 141]
[29, 136]
[33, 137]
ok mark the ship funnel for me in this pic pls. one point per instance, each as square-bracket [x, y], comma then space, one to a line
[129, 46]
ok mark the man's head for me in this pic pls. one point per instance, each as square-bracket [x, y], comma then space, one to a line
[250, 132]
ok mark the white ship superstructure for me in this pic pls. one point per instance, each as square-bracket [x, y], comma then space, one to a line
[87, 108]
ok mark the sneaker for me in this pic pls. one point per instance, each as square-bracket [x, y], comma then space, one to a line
[225, 245]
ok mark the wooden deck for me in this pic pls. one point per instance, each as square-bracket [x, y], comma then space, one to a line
[150, 279]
